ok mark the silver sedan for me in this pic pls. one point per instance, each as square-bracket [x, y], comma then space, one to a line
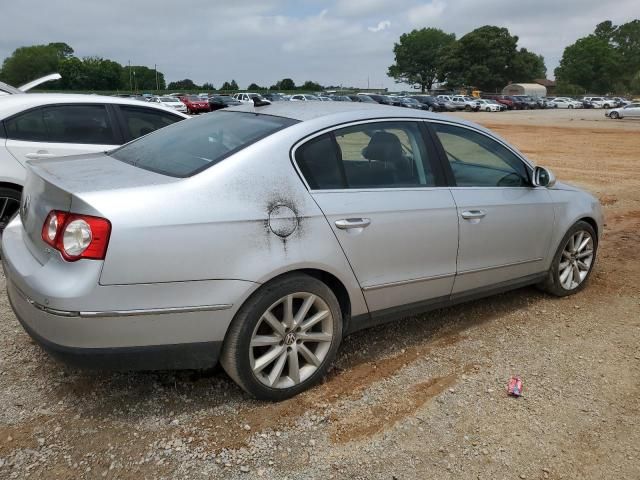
[260, 236]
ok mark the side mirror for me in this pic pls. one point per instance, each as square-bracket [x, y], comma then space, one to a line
[543, 177]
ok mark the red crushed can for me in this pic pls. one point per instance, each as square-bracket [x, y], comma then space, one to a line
[515, 386]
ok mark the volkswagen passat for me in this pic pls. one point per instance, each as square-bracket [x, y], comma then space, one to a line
[261, 236]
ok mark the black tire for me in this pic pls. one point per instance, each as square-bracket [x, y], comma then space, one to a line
[570, 106]
[488, 109]
[552, 284]
[614, 115]
[9, 204]
[235, 357]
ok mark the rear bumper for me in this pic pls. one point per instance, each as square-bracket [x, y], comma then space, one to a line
[64, 308]
[40, 324]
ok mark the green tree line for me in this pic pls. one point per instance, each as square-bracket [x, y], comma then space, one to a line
[607, 61]
[88, 73]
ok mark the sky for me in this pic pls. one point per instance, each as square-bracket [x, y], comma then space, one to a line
[334, 42]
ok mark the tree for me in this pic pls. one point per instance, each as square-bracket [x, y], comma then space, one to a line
[311, 86]
[141, 78]
[527, 66]
[186, 84]
[488, 58]
[419, 57]
[255, 86]
[101, 74]
[285, 84]
[28, 63]
[591, 63]
[208, 86]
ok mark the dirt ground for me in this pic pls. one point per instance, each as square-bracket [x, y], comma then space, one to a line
[418, 399]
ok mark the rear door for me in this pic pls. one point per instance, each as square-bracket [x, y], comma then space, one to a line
[505, 223]
[379, 188]
[60, 130]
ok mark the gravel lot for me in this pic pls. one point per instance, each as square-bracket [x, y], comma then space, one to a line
[421, 398]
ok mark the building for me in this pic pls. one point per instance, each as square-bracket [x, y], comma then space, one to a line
[532, 89]
[550, 85]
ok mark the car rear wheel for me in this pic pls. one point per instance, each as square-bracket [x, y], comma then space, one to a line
[9, 204]
[573, 261]
[284, 338]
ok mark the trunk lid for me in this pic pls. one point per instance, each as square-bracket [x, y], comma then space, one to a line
[63, 183]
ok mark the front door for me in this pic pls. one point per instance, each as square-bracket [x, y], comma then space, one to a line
[397, 225]
[505, 222]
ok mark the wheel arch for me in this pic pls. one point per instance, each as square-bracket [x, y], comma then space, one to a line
[13, 186]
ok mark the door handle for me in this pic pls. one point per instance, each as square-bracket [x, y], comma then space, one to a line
[470, 214]
[347, 223]
[39, 155]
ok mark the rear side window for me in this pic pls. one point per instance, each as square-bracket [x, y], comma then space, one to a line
[141, 121]
[28, 126]
[78, 124]
[187, 148]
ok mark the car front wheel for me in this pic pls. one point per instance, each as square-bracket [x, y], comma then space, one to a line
[614, 115]
[573, 261]
[284, 338]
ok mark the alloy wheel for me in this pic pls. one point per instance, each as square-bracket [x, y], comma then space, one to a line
[291, 340]
[8, 206]
[576, 260]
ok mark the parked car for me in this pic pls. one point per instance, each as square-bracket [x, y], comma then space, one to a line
[381, 99]
[247, 97]
[304, 97]
[597, 102]
[502, 100]
[470, 103]
[195, 104]
[324, 98]
[518, 103]
[340, 98]
[490, 106]
[362, 98]
[218, 102]
[430, 103]
[267, 265]
[563, 102]
[44, 125]
[275, 97]
[451, 105]
[407, 102]
[529, 102]
[170, 102]
[629, 111]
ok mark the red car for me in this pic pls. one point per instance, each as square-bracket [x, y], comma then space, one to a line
[195, 104]
[502, 100]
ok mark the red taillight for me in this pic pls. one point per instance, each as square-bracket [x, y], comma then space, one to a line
[77, 236]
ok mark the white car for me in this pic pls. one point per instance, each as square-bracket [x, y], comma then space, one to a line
[488, 105]
[304, 97]
[563, 102]
[170, 102]
[628, 111]
[598, 102]
[246, 97]
[43, 125]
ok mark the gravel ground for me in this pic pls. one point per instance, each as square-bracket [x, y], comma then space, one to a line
[421, 398]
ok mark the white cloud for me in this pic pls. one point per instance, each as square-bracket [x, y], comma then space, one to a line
[426, 14]
[383, 25]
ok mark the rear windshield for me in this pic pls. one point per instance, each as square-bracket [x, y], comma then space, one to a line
[188, 147]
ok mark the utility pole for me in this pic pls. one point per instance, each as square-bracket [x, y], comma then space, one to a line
[130, 78]
[155, 67]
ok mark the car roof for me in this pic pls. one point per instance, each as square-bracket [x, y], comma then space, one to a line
[11, 104]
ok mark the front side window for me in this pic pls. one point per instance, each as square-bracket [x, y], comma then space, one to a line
[477, 160]
[372, 155]
[141, 121]
[28, 126]
[186, 148]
